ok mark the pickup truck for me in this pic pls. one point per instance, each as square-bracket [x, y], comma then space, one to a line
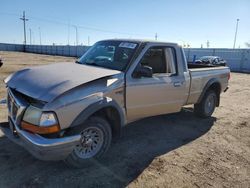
[72, 111]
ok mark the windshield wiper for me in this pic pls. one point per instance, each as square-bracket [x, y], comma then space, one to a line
[84, 63]
[94, 64]
[97, 65]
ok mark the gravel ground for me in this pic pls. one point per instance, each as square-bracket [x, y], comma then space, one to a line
[177, 150]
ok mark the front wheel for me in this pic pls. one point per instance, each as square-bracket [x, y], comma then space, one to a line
[207, 105]
[95, 140]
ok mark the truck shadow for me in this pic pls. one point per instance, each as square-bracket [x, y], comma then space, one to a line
[140, 144]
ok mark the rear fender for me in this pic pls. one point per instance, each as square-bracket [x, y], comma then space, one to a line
[210, 85]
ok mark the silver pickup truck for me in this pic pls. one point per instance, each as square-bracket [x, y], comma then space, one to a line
[72, 111]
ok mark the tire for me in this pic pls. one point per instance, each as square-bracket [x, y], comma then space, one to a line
[96, 139]
[207, 105]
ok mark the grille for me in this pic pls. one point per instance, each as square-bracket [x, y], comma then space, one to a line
[12, 107]
[9, 102]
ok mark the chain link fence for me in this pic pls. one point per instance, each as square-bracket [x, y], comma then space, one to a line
[237, 59]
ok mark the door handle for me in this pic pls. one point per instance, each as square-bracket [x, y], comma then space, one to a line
[177, 84]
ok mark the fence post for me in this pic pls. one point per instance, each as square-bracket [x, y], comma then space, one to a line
[213, 52]
[242, 59]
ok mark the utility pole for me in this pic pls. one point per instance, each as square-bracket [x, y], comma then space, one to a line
[30, 36]
[156, 36]
[33, 37]
[236, 31]
[208, 43]
[24, 26]
[69, 32]
[76, 34]
[40, 38]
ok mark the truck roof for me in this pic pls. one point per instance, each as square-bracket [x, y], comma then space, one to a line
[141, 41]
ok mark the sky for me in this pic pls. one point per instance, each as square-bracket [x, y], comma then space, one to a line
[192, 22]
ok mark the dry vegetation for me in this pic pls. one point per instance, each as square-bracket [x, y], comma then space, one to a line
[177, 150]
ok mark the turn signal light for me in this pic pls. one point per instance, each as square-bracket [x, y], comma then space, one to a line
[40, 130]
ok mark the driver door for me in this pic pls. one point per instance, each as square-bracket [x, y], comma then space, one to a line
[162, 93]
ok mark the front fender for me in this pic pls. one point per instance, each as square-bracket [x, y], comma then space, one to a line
[91, 109]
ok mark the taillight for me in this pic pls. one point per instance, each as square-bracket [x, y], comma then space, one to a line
[229, 76]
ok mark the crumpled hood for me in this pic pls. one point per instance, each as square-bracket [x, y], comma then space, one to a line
[49, 81]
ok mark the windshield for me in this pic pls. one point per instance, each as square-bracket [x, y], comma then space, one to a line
[110, 54]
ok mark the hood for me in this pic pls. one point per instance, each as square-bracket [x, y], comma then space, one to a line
[49, 81]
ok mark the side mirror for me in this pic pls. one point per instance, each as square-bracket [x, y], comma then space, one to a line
[143, 71]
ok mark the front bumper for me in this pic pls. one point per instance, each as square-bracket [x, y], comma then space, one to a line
[42, 148]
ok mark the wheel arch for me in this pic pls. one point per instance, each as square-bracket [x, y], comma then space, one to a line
[212, 84]
[107, 108]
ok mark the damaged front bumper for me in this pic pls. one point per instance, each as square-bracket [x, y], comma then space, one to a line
[42, 148]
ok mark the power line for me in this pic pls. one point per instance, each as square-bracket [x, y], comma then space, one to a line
[9, 14]
[74, 25]
[84, 27]
[79, 26]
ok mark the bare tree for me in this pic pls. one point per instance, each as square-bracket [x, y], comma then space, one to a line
[247, 44]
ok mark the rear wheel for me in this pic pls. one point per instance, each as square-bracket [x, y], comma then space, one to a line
[207, 105]
[95, 140]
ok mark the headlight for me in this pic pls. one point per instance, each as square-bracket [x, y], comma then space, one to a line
[47, 119]
[32, 115]
[36, 121]
[35, 116]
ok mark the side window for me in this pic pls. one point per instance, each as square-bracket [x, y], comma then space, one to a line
[161, 59]
[155, 58]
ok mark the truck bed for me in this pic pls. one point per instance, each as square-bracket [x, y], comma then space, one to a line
[200, 75]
